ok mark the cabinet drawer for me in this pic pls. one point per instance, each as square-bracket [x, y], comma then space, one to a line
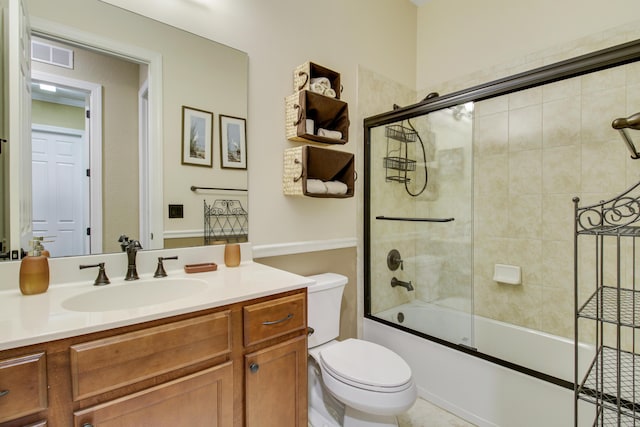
[106, 364]
[23, 386]
[274, 318]
[200, 399]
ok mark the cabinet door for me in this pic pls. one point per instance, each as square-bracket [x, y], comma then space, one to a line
[203, 399]
[276, 385]
[23, 386]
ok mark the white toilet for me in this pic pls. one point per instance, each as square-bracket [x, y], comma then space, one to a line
[351, 382]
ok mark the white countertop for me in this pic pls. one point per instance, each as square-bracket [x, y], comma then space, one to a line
[32, 319]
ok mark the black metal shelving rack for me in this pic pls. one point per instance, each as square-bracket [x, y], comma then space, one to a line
[611, 303]
[225, 221]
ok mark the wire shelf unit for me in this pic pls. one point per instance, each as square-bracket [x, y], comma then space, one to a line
[611, 308]
[225, 221]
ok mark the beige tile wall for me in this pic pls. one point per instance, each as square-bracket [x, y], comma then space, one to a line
[534, 151]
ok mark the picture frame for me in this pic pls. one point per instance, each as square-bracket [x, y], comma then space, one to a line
[233, 142]
[197, 137]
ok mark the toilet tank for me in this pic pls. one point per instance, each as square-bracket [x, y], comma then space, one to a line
[323, 307]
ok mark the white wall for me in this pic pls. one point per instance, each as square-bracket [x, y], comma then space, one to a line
[278, 35]
[456, 38]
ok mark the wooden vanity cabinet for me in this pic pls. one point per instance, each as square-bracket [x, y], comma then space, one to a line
[276, 371]
[192, 369]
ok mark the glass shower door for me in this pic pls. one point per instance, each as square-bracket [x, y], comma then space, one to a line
[419, 221]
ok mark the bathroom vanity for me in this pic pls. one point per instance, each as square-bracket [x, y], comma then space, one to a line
[231, 352]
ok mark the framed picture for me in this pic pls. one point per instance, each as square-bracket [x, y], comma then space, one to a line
[197, 137]
[233, 142]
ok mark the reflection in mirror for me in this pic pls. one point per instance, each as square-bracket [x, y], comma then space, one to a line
[135, 81]
[65, 150]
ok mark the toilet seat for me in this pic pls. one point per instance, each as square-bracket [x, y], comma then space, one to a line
[367, 366]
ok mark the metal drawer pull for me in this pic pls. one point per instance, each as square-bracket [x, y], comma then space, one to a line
[275, 322]
[4, 392]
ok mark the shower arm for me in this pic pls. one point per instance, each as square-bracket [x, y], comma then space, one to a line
[622, 124]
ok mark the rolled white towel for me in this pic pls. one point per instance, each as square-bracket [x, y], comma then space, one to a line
[335, 134]
[316, 186]
[324, 81]
[336, 187]
[309, 126]
[330, 93]
[317, 88]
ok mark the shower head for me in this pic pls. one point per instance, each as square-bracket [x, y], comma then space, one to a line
[426, 98]
[431, 95]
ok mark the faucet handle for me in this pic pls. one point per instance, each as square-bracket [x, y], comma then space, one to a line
[160, 272]
[394, 260]
[102, 278]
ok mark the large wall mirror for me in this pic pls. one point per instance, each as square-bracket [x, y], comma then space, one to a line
[128, 121]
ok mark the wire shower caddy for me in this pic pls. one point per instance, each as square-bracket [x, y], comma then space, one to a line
[397, 162]
[225, 221]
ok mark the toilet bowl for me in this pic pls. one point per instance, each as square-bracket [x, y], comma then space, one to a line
[352, 383]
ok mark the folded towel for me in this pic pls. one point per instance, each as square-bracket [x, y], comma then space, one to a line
[329, 133]
[335, 187]
[323, 81]
[317, 88]
[330, 93]
[309, 126]
[316, 186]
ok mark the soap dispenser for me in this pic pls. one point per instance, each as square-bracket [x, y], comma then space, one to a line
[43, 251]
[34, 270]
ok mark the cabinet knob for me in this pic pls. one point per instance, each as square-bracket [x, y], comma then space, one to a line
[87, 425]
[254, 367]
[4, 392]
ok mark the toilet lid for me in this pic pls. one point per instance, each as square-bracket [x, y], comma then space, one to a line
[367, 365]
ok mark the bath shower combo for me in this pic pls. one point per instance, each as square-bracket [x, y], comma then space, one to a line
[434, 300]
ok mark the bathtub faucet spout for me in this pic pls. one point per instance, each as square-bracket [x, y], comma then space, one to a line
[407, 285]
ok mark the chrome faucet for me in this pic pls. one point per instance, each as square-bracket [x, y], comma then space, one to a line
[407, 285]
[132, 248]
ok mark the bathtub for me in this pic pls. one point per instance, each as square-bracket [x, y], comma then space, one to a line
[474, 388]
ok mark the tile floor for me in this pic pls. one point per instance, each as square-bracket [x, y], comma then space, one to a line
[426, 414]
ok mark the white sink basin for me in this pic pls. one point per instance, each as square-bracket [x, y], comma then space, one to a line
[134, 294]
